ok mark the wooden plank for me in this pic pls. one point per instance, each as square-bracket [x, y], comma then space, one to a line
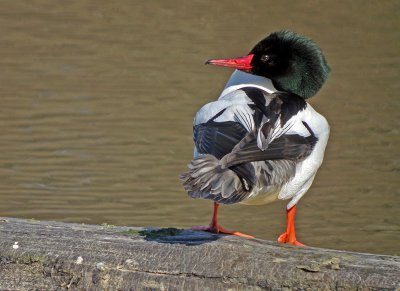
[53, 255]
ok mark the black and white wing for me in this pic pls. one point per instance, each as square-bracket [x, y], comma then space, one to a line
[251, 126]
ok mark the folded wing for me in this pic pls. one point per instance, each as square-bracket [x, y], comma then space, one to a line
[228, 167]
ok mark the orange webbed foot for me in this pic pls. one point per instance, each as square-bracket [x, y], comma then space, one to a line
[214, 227]
[219, 229]
[285, 239]
[289, 236]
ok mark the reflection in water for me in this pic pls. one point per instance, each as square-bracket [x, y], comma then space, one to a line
[97, 103]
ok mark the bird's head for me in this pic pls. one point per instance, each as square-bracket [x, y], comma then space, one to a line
[293, 62]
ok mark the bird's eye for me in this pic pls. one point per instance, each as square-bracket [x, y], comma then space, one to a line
[265, 58]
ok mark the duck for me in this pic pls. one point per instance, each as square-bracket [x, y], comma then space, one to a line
[261, 141]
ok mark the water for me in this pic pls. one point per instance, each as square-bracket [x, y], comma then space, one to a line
[98, 98]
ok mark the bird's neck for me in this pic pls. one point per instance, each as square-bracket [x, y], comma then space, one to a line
[240, 79]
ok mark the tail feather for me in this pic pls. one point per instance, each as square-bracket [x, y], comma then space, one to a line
[206, 179]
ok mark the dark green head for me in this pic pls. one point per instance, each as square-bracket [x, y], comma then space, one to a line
[293, 62]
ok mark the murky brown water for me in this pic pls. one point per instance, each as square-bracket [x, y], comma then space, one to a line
[97, 102]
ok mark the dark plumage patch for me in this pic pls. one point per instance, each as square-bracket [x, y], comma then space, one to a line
[257, 96]
[293, 62]
[291, 105]
[285, 104]
[247, 175]
[217, 138]
[287, 147]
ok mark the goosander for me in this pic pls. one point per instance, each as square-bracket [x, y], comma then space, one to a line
[261, 141]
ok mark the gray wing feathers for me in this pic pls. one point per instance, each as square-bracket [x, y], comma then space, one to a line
[274, 173]
[245, 147]
[205, 179]
[287, 147]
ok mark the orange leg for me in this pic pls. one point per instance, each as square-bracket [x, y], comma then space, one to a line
[216, 228]
[289, 237]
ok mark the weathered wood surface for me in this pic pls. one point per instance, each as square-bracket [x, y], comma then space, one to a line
[54, 255]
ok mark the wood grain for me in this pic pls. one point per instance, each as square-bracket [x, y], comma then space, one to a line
[53, 255]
